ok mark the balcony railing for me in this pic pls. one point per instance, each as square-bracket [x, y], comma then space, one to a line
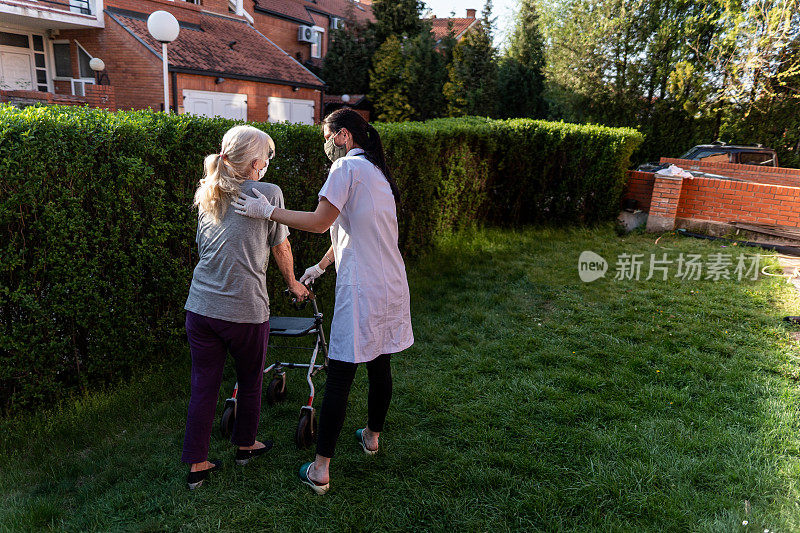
[83, 7]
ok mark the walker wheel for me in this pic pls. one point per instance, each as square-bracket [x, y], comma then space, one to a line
[306, 433]
[276, 390]
[227, 420]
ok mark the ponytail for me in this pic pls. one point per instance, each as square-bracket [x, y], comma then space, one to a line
[376, 155]
[226, 171]
[218, 183]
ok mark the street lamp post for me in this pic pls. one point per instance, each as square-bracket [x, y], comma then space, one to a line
[98, 65]
[164, 28]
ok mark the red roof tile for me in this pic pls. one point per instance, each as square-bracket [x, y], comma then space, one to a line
[221, 45]
[460, 25]
[287, 8]
[341, 9]
[299, 9]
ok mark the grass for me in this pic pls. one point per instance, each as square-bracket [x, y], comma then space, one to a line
[530, 401]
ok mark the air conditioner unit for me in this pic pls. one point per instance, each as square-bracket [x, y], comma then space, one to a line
[305, 34]
[337, 23]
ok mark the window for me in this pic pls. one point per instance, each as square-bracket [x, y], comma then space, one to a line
[316, 45]
[83, 62]
[13, 39]
[33, 45]
[711, 156]
[79, 86]
[756, 158]
[63, 60]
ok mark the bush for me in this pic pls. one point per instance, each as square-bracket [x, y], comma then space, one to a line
[99, 230]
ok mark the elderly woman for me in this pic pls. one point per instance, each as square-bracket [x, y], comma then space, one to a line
[228, 308]
[371, 317]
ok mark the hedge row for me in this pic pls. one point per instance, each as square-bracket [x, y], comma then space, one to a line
[98, 248]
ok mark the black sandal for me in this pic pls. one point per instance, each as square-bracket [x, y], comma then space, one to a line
[244, 456]
[195, 479]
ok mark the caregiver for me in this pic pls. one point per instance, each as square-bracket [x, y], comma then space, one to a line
[371, 317]
[228, 307]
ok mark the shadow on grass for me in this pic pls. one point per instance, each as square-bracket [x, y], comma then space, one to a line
[530, 401]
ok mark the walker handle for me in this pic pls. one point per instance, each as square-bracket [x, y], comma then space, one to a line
[299, 305]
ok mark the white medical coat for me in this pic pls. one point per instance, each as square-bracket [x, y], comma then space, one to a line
[372, 312]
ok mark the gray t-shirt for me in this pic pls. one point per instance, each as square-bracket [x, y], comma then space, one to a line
[229, 281]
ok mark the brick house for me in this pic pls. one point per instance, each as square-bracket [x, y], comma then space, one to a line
[221, 64]
[461, 26]
[302, 27]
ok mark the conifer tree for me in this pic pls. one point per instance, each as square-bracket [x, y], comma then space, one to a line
[520, 79]
[472, 85]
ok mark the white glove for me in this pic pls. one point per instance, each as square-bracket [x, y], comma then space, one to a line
[311, 273]
[258, 207]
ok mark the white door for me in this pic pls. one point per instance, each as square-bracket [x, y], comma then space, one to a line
[290, 110]
[211, 104]
[15, 71]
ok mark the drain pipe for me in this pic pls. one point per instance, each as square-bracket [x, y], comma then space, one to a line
[787, 250]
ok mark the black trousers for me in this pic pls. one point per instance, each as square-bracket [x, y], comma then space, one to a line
[337, 390]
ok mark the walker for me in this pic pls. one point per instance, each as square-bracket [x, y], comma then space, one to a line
[286, 326]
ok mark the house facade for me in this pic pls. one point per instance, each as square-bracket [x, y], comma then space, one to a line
[225, 62]
[303, 27]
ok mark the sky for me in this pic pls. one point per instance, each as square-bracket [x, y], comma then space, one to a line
[502, 11]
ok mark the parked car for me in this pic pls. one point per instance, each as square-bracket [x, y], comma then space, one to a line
[720, 152]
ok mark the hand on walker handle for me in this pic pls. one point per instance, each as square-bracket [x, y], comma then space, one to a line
[299, 290]
[258, 207]
[311, 273]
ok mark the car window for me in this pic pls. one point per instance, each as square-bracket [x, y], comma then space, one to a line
[712, 156]
[755, 158]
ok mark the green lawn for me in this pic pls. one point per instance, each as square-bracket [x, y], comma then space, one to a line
[531, 401]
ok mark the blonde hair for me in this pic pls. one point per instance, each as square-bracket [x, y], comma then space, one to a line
[227, 170]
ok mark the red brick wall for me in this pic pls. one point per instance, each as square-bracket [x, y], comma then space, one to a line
[96, 96]
[257, 93]
[725, 201]
[770, 175]
[183, 11]
[101, 96]
[132, 69]
[284, 34]
[640, 188]
[719, 201]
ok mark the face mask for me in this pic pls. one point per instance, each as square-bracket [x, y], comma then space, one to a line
[263, 171]
[333, 150]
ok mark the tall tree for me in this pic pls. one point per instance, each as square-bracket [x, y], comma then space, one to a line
[425, 76]
[520, 78]
[407, 79]
[471, 88]
[670, 67]
[346, 65]
[397, 17]
[387, 84]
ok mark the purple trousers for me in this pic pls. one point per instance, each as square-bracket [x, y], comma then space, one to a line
[210, 340]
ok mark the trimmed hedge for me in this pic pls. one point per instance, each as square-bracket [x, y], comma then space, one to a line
[99, 231]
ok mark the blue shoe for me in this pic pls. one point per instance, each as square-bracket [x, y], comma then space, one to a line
[360, 439]
[319, 488]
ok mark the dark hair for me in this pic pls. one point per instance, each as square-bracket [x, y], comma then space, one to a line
[366, 136]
